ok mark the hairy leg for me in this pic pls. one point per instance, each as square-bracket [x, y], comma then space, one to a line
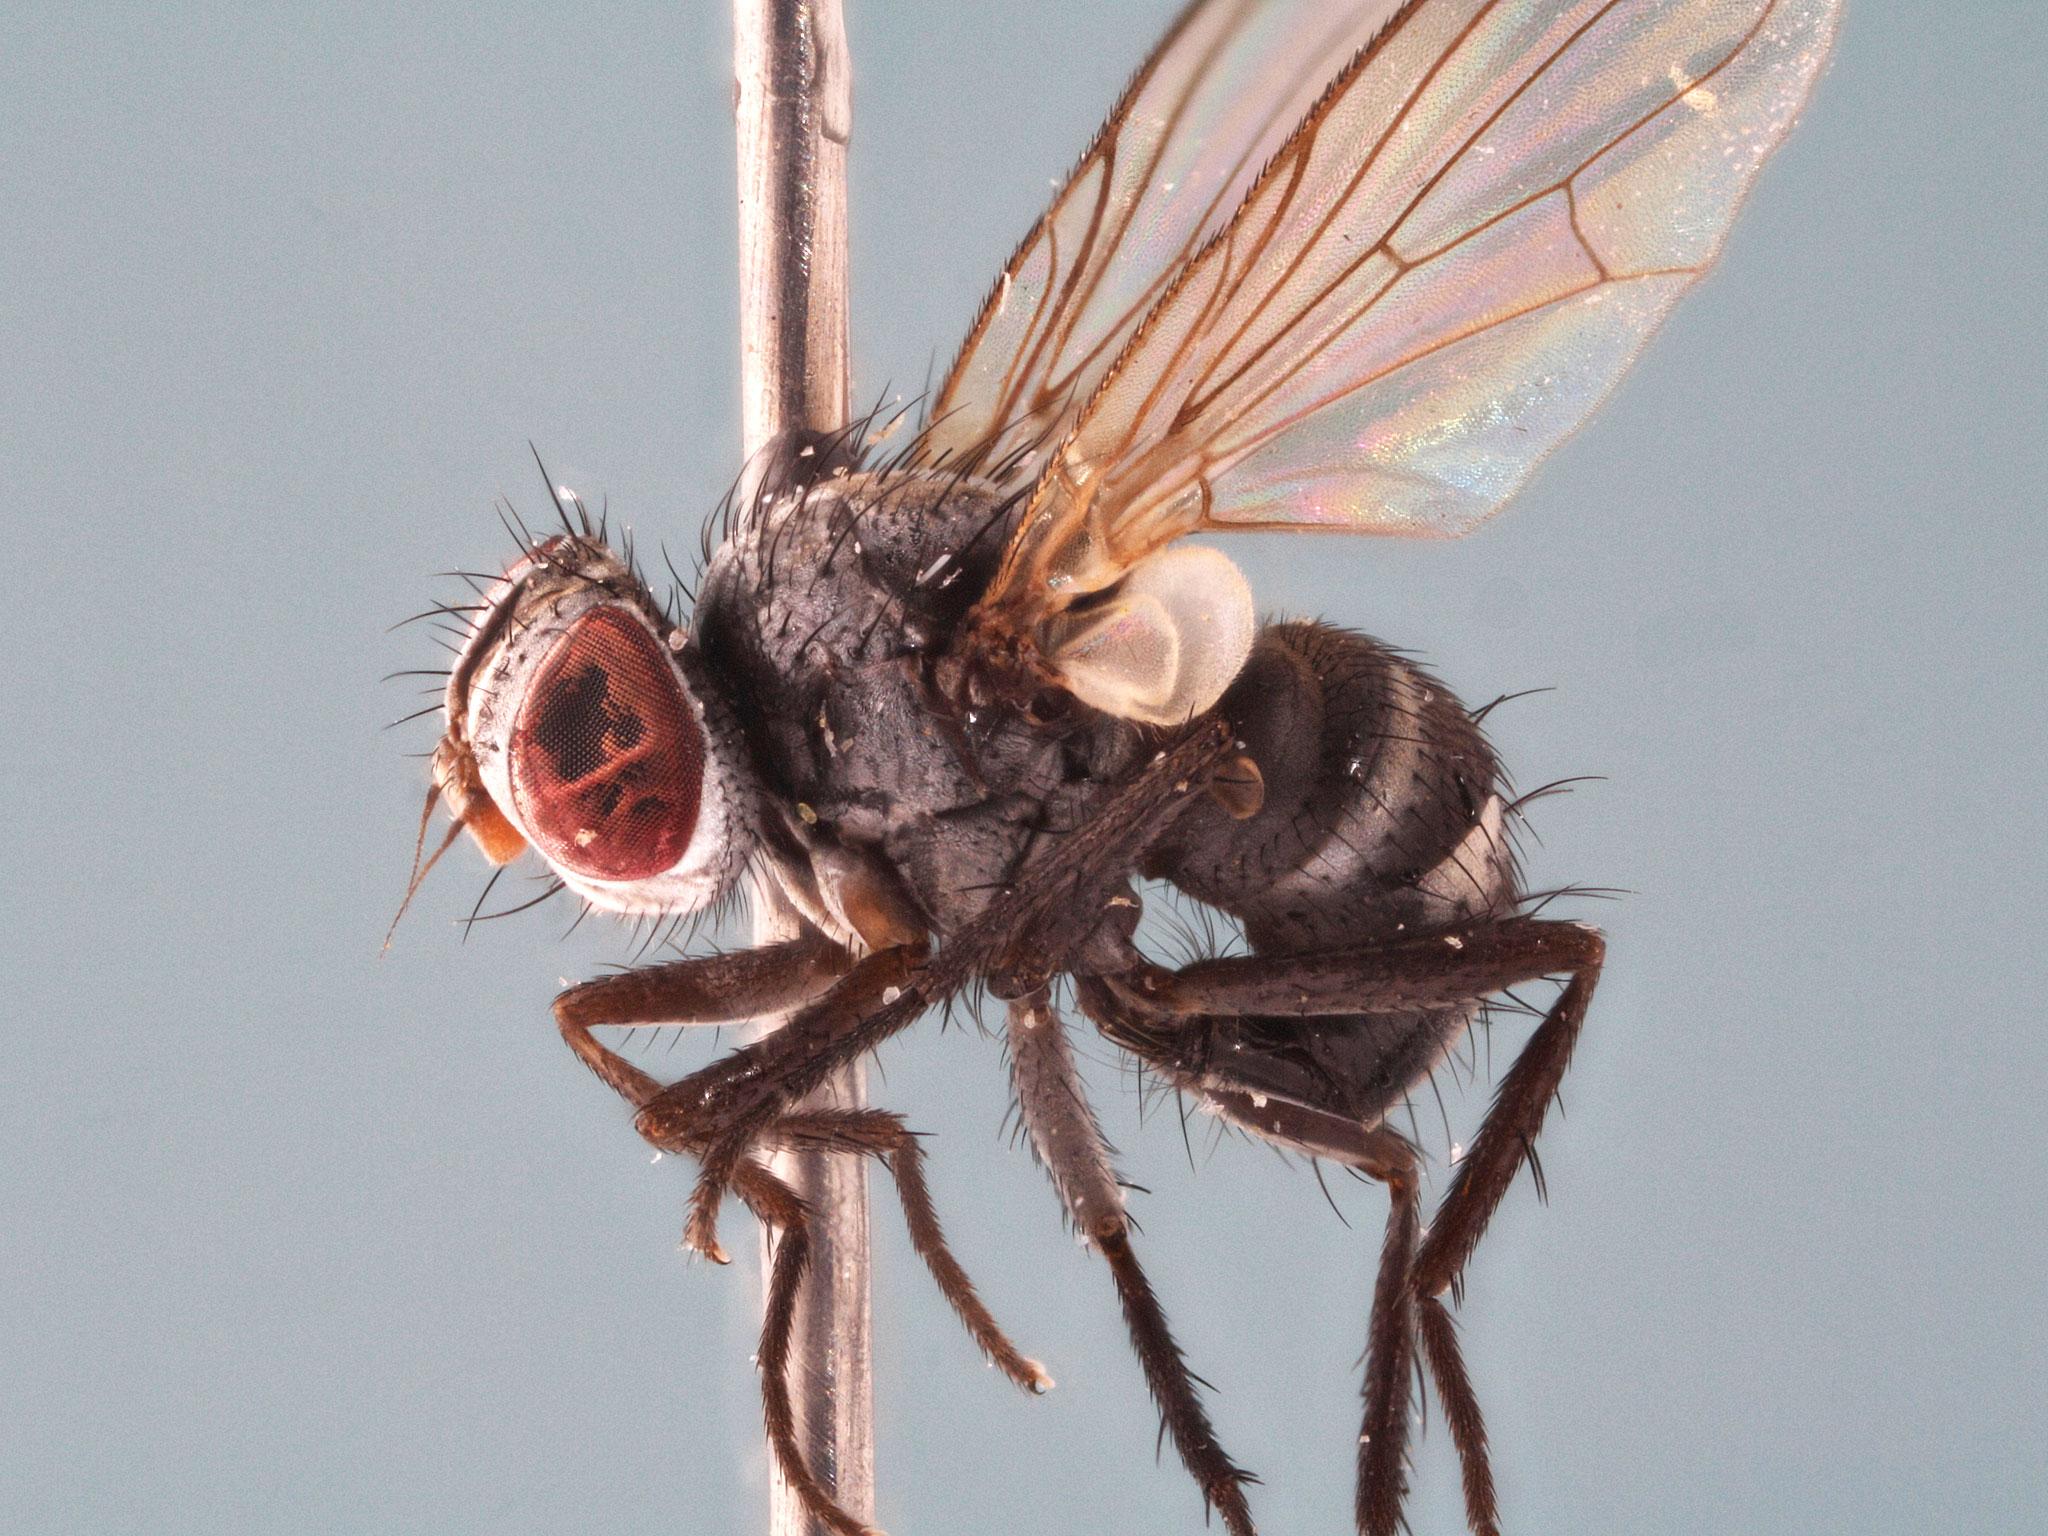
[682, 993]
[1069, 1142]
[1170, 1020]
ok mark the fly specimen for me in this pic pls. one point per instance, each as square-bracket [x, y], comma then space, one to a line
[1348, 267]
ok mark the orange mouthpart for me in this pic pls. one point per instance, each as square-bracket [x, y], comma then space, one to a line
[497, 837]
[457, 782]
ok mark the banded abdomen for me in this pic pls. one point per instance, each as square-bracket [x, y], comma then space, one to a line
[1383, 816]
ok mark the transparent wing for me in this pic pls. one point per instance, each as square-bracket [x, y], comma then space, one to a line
[1444, 271]
[1211, 106]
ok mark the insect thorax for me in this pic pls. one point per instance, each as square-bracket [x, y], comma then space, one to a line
[821, 618]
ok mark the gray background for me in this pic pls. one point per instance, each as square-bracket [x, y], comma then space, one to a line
[300, 1239]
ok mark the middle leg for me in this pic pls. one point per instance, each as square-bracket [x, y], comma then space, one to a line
[1069, 1142]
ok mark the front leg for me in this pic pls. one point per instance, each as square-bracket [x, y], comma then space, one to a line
[720, 1113]
[703, 1114]
[711, 989]
[800, 974]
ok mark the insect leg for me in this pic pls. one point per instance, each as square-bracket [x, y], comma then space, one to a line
[777, 1206]
[712, 989]
[881, 1134]
[717, 1113]
[1069, 1142]
[689, 992]
[1453, 964]
[769, 979]
[1398, 1312]
[1508, 1134]
[876, 1133]
[1456, 963]
[1186, 1022]
[1461, 1411]
[1506, 1137]
[1376, 1151]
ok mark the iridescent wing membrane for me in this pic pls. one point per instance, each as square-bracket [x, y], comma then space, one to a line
[1438, 276]
[1198, 122]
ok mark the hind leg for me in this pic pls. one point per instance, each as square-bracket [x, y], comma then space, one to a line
[1176, 1020]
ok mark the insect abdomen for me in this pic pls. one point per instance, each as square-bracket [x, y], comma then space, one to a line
[1382, 816]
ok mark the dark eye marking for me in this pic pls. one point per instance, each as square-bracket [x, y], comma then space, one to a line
[578, 722]
[607, 759]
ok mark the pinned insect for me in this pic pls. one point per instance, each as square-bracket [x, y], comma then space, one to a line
[1352, 267]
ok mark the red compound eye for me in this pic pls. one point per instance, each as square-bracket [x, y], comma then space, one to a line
[606, 760]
